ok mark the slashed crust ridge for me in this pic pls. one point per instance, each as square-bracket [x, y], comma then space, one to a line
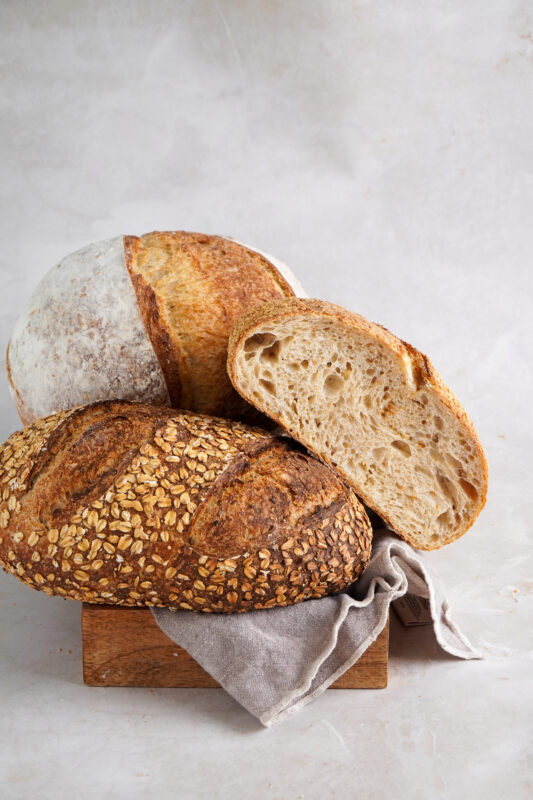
[191, 288]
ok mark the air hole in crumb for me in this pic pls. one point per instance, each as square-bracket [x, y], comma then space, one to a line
[423, 471]
[305, 363]
[453, 461]
[468, 488]
[380, 454]
[448, 487]
[268, 385]
[259, 340]
[271, 353]
[367, 400]
[435, 455]
[439, 424]
[333, 384]
[403, 447]
[443, 519]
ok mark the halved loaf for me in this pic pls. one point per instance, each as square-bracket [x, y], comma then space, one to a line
[141, 505]
[369, 405]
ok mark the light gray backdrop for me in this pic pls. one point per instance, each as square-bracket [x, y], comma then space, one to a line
[385, 151]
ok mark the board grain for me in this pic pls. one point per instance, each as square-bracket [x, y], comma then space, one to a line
[125, 647]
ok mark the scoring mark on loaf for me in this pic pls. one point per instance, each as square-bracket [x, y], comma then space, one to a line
[191, 288]
[135, 543]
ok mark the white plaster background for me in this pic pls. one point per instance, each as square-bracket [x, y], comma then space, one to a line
[385, 151]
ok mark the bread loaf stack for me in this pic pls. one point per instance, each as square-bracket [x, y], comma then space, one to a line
[110, 496]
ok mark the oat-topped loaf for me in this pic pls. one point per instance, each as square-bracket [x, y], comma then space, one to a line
[142, 505]
[143, 318]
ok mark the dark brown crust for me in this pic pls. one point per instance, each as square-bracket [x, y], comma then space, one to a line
[191, 288]
[424, 374]
[93, 449]
[141, 505]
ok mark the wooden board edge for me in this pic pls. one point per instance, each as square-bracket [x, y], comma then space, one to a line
[112, 666]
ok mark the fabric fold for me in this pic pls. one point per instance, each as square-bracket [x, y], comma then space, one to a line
[274, 662]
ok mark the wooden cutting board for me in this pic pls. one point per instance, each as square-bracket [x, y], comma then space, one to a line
[125, 647]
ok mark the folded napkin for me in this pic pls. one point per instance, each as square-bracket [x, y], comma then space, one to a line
[275, 661]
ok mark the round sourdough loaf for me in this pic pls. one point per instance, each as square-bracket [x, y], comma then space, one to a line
[140, 318]
[140, 505]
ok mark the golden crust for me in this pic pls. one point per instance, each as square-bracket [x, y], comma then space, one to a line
[424, 374]
[191, 288]
[140, 505]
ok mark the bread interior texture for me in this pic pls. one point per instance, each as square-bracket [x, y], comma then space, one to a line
[355, 402]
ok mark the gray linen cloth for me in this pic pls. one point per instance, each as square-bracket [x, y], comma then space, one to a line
[275, 661]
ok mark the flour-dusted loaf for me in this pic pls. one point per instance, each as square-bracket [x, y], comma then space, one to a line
[369, 405]
[139, 318]
[141, 505]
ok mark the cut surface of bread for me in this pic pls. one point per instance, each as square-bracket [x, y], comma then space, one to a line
[369, 405]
